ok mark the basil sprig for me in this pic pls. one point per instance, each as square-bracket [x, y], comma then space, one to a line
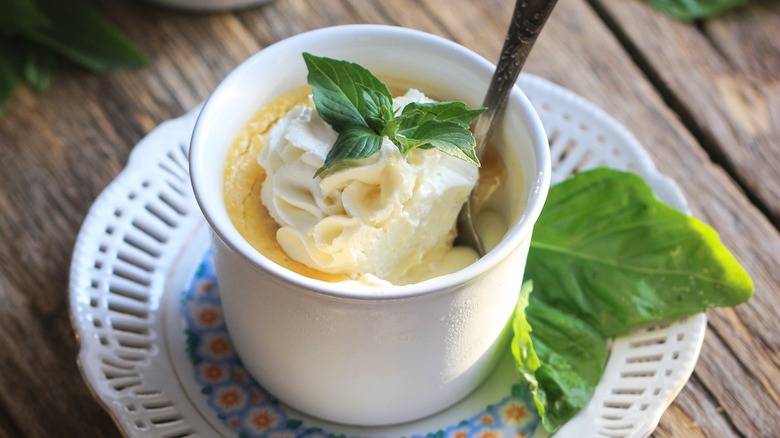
[359, 107]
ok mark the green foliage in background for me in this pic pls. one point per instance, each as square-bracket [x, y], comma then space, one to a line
[688, 10]
[35, 33]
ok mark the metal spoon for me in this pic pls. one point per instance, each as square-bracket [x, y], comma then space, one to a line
[527, 21]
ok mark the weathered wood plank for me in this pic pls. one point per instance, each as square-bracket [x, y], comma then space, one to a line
[57, 153]
[7, 426]
[43, 390]
[59, 149]
[695, 414]
[189, 55]
[723, 82]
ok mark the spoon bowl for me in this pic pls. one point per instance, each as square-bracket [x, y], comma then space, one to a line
[528, 19]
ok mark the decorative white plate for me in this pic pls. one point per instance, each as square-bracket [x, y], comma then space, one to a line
[154, 349]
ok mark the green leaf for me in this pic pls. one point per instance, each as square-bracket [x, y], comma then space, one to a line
[688, 10]
[39, 66]
[447, 136]
[378, 110]
[561, 357]
[415, 114]
[11, 71]
[607, 257]
[345, 93]
[572, 357]
[20, 17]
[522, 345]
[353, 143]
[77, 32]
[607, 249]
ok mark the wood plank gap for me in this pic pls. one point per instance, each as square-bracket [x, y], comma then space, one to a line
[49, 319]
[9, 426]
[713, 397]
[748, 371]
[758, 336]
[723, 413]
[719, 50]
[705, 389]
[706, 141]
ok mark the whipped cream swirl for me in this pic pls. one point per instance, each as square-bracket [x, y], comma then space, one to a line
[387, 216]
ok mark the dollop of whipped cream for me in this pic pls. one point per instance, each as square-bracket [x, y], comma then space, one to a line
[385, 218]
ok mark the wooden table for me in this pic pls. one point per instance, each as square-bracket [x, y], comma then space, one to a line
[703, 98]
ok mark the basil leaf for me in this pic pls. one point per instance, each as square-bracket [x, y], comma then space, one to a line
[447, 136]
[353, 143]
[607, 257]
[522, 345]
[339, 89]
[406, 144]
[688, 10]
[415, 114]
[558, 334]
[561, 357]
[11, 71]
[38, 66]
[81, 35]
[572, 357]
[20, 17]
[378, 109]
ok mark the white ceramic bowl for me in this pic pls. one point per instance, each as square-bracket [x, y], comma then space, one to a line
[347, 355]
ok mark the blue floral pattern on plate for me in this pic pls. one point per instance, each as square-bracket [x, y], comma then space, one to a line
[250, 411]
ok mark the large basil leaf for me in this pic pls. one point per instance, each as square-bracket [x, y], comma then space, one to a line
[606, 249]
[607, 257]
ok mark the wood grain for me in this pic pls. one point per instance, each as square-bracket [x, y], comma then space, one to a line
[721, 78]
[59, 148]
[695, 413]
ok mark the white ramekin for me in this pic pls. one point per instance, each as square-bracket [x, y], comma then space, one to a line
[355, 356]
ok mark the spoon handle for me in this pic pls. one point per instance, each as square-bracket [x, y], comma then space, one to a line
[527, 21]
